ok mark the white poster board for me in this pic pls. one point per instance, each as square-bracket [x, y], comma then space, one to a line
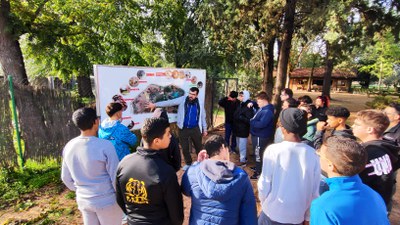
[139, 85]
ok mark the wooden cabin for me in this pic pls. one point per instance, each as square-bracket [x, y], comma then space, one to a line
[341, 79]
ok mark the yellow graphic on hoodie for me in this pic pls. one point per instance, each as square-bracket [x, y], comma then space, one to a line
[136, 192]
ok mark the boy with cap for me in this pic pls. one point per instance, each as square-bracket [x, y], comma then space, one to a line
[348, 198]
[286, 165]
[230, 104]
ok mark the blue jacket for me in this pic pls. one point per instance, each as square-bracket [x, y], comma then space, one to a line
[221, 193]
[181, 112]
[262, 124]
[119, 135]
[348, 201]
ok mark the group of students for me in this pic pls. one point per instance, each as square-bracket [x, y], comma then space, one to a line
[357, 180]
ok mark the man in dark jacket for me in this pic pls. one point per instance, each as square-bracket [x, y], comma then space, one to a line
[230, 104]
[241, 124]
[392, 133]
[147, 187]
[379, 171]
[261, 129]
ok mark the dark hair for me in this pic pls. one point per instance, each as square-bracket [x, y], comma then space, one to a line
[348, 156]
[153, 128]
[194, 89]
[395, 106]
[213, 145]
[305, 99]
[292, 102]
[84, 118]
[113, 108]
[264, 96]
[233, 94]
[288, 91]
[324, 99]
[338, 111]
[307, 109]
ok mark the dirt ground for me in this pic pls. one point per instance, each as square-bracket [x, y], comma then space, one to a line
[52, 203]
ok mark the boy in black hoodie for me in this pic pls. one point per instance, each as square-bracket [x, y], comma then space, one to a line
[379, 171]
[334, 126]
[147, 187]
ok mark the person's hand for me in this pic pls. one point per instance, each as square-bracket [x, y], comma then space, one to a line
[249, 105]
[131, 125]
[205, 133]
[321, 125]
[306, 222]
[150, 106]
[202, 155]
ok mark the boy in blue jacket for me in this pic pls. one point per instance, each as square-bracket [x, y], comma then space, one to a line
[348, 200]
[221, 192]
[261, 129]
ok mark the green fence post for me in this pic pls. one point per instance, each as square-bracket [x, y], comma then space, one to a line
[14, 111]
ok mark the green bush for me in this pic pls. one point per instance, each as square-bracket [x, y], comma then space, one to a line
[380, 102]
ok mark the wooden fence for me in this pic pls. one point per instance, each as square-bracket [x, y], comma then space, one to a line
[44, 117]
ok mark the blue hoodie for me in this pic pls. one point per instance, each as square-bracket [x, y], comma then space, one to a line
[262, 124]
[119, 135]
[221, 193]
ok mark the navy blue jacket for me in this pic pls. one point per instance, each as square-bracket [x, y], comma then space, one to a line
[262, 124]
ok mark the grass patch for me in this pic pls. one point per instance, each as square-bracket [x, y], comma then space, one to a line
[15, 183]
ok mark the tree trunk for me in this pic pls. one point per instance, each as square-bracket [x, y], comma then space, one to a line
[309, 84]
[268, 70]
[326, 89]
[85, 87]
[284, 52]
[11, 59]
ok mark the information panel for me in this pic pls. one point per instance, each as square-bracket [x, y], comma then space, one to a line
[139, 85]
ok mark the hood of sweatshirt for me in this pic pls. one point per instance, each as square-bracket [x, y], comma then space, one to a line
[246, 95]
[107, 127]
[218, 179]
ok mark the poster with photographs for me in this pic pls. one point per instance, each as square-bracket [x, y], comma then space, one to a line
[134, 87]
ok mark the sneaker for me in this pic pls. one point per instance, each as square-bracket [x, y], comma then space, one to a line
[241, 164]
[185, 167]
[255, 176]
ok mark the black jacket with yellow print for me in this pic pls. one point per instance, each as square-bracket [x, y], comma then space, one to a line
[148, 190]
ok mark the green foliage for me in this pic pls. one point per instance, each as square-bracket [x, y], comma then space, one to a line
[382, 56]
[380, 102]
[70, 195]
[15, 183]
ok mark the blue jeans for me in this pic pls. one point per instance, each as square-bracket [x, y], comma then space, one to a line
[228, 133]
[242, 142]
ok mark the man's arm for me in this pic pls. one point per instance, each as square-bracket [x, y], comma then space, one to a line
[119, 193]
[248, 208]
[203, 121]
[263, 120]
[111, 162]
[66, 176]
[173, 200]
[265, 180]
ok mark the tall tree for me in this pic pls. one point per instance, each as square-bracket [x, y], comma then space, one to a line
[288, 29]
